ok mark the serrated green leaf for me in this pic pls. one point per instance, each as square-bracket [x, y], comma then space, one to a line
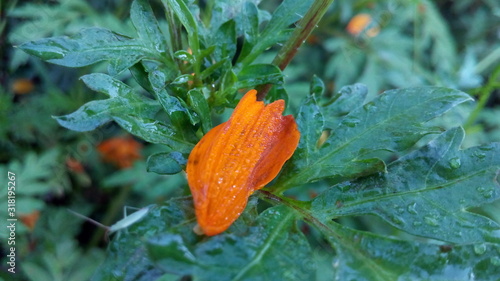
[263, 247]
[263, 253]
[153, 131]
[187, 19]
[258, 74]
[200, 105]
[427, 192]
[143, 18]
[122, 101]
[368, 257]
[345, 101]
[89, 46]
[392, 122]
[277, 29]
[166, 163]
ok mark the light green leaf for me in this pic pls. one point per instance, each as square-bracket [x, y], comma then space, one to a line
[426, 192]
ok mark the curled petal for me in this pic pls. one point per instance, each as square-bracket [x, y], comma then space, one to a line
[238, 157]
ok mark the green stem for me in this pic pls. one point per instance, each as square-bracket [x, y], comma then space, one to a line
[299, 35]
[484, 94]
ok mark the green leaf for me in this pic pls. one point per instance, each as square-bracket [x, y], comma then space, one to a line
[153, 131]
[270, 250]
[187, 20]
[427, 192]
[267, 246]
[122, 101]
[258, 74]
[368, 257]
[277, 29]
[393, 122]
[200, 105]
[147, 27]
[345, 101]
[166, 163]
[89, 46]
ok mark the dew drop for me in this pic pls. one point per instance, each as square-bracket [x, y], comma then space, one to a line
[417, 223]
[432, 221]
[462, 201]
[480, 249]
[412, 208]
[351, 122]
[495, 261]
[488, 194]
[369, 106]
[455, 163]
[479, 155]
[397, 220]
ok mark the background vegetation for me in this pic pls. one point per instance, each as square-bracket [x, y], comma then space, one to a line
[381, 44]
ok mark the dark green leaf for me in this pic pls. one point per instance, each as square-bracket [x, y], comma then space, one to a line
[153, 131]
[166, 163]
[317, 86]
[200, 105]
[89, 46]
[277, 29]
[427, 192]
[259, 74]
[263, 247]
[270, 250]
[187, 19]
[143, 18]
[345, 101]
[122, 101]
[392, 122]
[368, 257]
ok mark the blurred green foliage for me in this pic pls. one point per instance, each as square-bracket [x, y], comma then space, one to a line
[229, 45]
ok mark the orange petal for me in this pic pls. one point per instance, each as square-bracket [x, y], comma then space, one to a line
[238, 157]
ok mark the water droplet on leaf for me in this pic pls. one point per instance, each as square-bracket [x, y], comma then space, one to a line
[480, 249]
[495, 261]
[455, 163]
[432, 221]
[412, 208]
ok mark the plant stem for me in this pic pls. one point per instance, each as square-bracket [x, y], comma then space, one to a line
[484, 94]
[299, 35]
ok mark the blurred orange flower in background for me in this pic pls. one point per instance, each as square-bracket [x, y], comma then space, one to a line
[360, 23]
[120, 151]
[22, 86]
[30, 219]
[238, 157]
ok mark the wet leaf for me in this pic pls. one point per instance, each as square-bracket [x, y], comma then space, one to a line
[427, 192]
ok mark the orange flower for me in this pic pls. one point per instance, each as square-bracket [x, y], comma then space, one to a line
[359, 23]
[238, 157]
[22, 86]
[120, 151]
[30, 219]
